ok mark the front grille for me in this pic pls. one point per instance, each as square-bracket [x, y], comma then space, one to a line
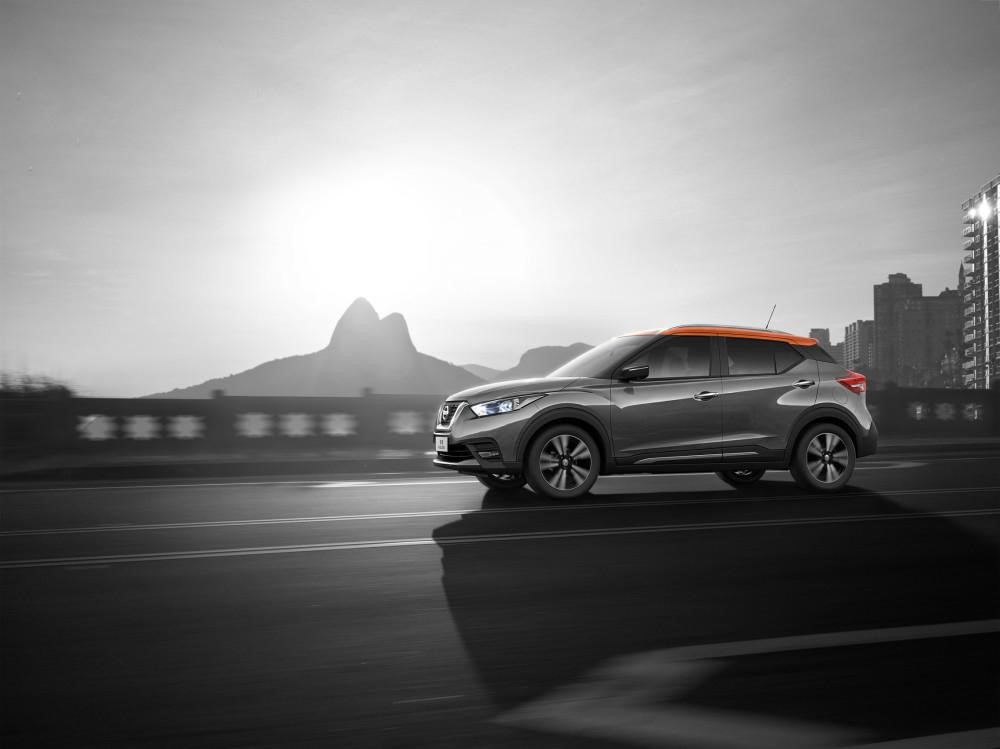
[448, 412]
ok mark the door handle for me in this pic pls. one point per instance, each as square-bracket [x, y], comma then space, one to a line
[705, 395]
[804, 384]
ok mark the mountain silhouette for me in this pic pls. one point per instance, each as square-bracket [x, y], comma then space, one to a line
[535, 362]
[364, 352]
[540, 361]
[484, 373]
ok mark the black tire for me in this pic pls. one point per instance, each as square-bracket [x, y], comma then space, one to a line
[562, 462]
[501, 480]
[741, 478]
[824, 458]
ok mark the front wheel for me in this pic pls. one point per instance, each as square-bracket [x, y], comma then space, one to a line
[824, 458]
[562, 462]
[501, 480]
[741, 478]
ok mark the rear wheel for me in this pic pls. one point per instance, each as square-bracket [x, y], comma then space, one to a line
[562, 462]
[742, 477]
[824, 458]
[501, 480]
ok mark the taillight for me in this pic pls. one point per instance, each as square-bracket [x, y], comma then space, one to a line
[856, 383]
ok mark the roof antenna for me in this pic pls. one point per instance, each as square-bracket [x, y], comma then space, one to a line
[768, 323]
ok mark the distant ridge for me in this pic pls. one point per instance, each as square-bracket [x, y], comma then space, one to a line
[483, 373]
[536, 362]
[540, 361]
[364, 352]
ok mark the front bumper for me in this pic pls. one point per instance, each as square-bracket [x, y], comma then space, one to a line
[476, 456]
[483, 444]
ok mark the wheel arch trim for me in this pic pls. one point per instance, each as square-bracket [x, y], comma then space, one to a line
[571, 415]
[826, 413]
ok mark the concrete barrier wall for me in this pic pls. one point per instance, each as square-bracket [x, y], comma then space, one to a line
[37, 426]
[929, 412]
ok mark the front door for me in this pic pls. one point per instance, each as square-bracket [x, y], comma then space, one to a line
[675, 414]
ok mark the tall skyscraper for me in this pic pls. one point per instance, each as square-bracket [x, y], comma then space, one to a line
[981, 293]
[889, 297]
[859, 345]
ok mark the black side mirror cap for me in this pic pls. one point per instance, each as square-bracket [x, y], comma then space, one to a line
[640, 372]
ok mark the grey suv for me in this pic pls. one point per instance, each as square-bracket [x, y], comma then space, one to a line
[734, 401]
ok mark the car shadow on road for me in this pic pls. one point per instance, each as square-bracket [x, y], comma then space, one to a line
[541, 597]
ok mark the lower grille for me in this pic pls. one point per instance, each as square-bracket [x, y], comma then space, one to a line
[456, 454]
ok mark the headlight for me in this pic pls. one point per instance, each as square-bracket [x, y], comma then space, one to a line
[504, 405]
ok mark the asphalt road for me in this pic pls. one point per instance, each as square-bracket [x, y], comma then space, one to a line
[398, 611]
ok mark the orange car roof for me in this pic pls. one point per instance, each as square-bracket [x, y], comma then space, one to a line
[739, 332]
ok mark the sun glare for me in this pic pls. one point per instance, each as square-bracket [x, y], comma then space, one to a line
[398, 228]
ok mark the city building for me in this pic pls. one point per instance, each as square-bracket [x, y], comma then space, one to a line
[889, 297]
[837, 352]
[822, 336]
[981, 290]
[913, 333]
[928, 328]
[859, 346]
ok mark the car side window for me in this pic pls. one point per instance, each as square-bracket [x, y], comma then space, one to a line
[748, 356]
[678, 356]
[785, 357]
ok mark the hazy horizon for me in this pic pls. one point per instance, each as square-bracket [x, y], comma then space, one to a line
[193, 188]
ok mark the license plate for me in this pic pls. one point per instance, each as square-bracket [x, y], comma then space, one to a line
[441, 444]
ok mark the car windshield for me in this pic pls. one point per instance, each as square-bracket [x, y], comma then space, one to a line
[601, 360]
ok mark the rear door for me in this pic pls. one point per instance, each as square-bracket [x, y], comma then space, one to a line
[766, 385]
[675, 414]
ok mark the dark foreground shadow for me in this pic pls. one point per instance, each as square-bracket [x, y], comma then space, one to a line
[538, 612]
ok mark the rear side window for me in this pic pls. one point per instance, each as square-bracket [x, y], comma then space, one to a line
[752, 357]
[785, 357]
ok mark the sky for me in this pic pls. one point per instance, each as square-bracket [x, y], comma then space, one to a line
[188, 189]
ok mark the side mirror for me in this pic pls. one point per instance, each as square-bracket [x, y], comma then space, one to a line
[640, 372]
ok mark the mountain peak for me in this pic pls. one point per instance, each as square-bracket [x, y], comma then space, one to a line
[360, 309]
[358, 319]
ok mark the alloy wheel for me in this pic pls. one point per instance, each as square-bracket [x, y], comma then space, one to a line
[827, 457]
[565, 462]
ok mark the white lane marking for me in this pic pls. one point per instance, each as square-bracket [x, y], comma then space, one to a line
[889, 465]
[627, 699]
[355, 484]
[986, 738]
[429, 699]
[556, 507]
[210, 484]
[484, 538]
[820, 640]
[938, 459]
